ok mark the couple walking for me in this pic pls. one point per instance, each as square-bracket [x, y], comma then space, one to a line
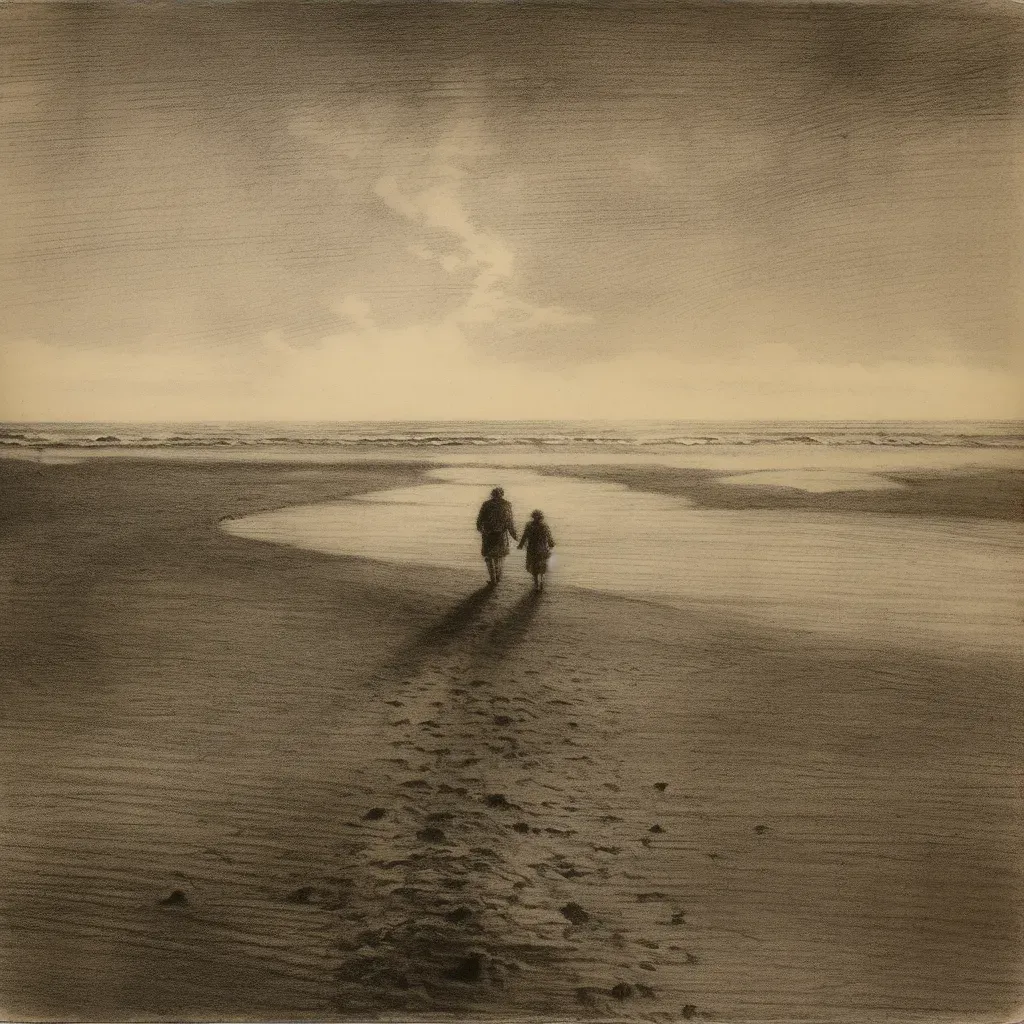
[496, 524]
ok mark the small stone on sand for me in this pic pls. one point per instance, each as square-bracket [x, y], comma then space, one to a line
[176, 899]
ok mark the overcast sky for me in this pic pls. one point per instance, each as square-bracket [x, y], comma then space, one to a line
[457, 211]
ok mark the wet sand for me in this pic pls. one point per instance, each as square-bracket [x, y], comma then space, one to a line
[971, 492]
[244, 780]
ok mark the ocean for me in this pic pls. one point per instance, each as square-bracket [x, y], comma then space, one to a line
[539, 435]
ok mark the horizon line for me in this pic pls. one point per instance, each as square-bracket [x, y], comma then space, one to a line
[562, 419]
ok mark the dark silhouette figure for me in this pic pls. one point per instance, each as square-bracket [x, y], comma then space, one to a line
[538, 542]
[495, 525]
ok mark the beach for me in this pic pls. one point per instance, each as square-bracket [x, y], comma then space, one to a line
[253, 779]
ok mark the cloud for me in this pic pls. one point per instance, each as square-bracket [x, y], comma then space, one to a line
[435, 204]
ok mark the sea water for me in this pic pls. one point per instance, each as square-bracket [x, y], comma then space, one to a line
[922, 581]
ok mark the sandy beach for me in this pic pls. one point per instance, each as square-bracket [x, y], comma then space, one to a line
[244, 780]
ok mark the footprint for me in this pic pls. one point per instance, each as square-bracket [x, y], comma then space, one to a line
[176, 899]
[431, 834]
[574, 914]
[650, 897]
[469, 971]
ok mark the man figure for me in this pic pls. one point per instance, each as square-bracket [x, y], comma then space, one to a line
[495, 524]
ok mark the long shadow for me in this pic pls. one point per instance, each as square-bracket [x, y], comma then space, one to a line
[512, 629]
[440, 634]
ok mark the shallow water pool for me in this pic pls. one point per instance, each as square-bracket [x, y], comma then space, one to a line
[923, 581]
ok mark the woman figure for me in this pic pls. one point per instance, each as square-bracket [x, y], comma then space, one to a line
[538, 542]
[495, 523]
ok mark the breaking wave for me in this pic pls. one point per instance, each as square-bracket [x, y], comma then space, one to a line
[620, 436]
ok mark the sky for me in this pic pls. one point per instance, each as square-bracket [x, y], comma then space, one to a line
[502, 210]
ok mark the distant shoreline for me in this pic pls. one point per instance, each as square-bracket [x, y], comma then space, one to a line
[539, 435]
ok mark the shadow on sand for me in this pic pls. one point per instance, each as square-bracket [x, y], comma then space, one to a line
[439, 635]
[512, 629]
[491, 646]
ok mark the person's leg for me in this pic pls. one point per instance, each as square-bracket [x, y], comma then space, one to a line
[491, 576]
[498, 566]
